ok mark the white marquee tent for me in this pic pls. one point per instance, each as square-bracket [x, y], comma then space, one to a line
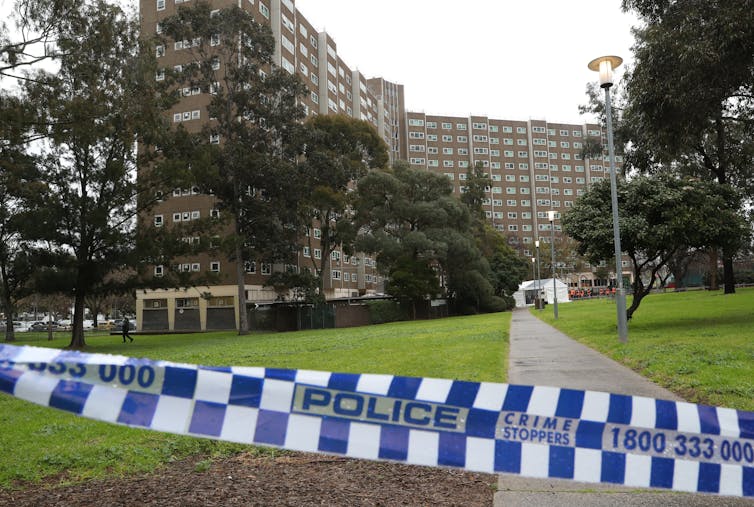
[527, 291]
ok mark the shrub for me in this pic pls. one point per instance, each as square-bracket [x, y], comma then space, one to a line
[384, 311]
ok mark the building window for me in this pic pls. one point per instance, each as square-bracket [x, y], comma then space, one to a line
[214, 266]
[160, 6]
[158, 220]
[266, 269]
[158, 270]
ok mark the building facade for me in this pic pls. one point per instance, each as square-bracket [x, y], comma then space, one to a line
[534, 166]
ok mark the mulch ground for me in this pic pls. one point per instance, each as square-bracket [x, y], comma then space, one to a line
[293, 479]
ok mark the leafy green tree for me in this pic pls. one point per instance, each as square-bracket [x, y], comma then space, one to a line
[690, 97]
[474, 191]
[303, 285]
[422, 237]
[412, 280]
[396, 211]
[16, 270]
[247, 157]
[34, 38]
[507, 268]
[27, 42]
[91, 113]
[659, 216]
[17, 181]
[339, 151]
[498, 263]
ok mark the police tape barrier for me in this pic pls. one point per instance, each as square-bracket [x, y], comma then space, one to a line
[533, 431]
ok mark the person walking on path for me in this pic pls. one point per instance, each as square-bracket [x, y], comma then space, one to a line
[126, 326]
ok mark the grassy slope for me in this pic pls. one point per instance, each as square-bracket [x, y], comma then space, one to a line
[39, 442]
[698, 344]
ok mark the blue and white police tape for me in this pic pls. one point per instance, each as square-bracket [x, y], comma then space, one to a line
[533, 431]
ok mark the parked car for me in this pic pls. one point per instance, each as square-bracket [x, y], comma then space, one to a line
[117, 325]
[20, 326]
[42, 325]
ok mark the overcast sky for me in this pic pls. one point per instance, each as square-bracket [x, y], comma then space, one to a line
[502, 58]
[506, 59]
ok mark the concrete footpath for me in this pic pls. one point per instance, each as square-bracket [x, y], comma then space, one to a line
[542, 355]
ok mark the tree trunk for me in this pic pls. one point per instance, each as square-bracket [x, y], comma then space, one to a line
[729, 280]
[326, 275]
[243, 321]
[713, 270]
[10, 335]
[639, 291]
[77, 333]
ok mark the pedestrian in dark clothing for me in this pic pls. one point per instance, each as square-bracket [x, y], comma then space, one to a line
[126, 326]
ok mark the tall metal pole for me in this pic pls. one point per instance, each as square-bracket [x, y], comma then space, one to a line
[552, 249]
[620, 294]
[539, 278]
[534, 276]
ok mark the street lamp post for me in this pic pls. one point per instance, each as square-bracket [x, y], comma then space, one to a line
[551, 216]
[539, 278]
[605, 65]
[534, 276]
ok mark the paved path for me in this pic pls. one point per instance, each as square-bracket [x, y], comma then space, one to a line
[542, 355]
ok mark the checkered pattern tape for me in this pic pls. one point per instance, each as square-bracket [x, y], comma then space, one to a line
[533, 431]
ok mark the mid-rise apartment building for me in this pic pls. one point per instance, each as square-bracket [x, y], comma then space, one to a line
[534, 166]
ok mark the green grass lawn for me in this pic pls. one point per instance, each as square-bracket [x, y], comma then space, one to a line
[39, 442]
[698, 344]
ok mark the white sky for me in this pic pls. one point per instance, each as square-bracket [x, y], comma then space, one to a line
[502, 58]
[506, 59]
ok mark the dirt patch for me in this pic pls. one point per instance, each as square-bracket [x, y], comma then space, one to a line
[294, 479]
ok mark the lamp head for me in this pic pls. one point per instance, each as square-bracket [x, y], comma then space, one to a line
[605, 66]
[536, 243]
[551, 215]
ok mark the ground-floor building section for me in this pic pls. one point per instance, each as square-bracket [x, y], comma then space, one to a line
[216, 308]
